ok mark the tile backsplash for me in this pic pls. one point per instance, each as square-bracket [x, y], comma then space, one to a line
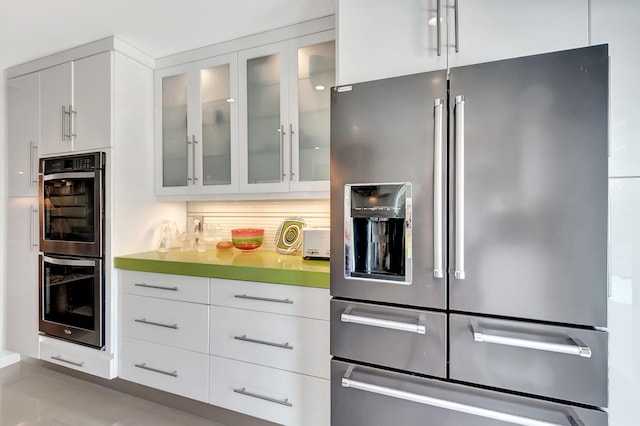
[259, 214]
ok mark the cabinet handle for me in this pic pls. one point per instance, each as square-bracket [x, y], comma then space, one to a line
[193, 151]
[291, 174]
[72, 122]
[456, 26]
[155, 370]
[32, 233]
[282, 133]
[59, 358]
[438, 28]
[145, 285]
[243, 391]
[437, 190]
[419, 328]
[576, 347]
[244, 338]
[459, 210]
[347, 382]
[33, 171]
[189, 143]
[263, 299]
[159, 324]
[64, 122]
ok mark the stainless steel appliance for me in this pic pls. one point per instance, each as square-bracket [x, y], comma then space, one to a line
[71, 204]
[501, 315]
[71, 198]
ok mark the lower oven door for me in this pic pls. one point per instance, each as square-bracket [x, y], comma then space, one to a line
[71, 299]
[367, 396]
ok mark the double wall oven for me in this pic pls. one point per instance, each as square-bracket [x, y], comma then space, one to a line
[71, 198]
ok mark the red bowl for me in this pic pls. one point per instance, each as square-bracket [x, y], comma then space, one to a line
[247, 238]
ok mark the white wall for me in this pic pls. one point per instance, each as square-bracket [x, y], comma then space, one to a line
[3, 205]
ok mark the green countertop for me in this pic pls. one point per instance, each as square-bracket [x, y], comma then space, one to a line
[259, 265]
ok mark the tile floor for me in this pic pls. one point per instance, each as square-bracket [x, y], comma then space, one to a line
[31, 395]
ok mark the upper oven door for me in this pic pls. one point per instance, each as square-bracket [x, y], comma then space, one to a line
[71, 212]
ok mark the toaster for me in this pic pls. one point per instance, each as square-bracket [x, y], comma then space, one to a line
[315, 243]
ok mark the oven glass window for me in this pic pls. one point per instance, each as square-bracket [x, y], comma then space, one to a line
[68, 210]
[69, 295]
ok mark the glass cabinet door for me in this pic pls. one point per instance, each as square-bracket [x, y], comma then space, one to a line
[174, 131]
[315, 77]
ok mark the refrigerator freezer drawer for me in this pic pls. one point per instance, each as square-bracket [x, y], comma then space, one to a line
[557, 362]
[365, 396]
[406, 339]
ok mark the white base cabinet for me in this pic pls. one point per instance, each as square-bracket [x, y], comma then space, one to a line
[77, 357]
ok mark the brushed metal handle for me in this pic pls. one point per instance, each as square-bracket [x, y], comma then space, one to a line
[456, 26]
[244, 338]
[419, 328]
[189, 179]
[262, 299]
[459, 185]
[72, 122]
[243, 391]
[291, 174]
[193, 151]
[32, 231]
[438, 28]
[576, 347]
[64, 121]
[158, 287]
[59, 358]
[438, 196]
[156, 370]
[158, 324]
[282, 133]
[347, 382]
[33, 171]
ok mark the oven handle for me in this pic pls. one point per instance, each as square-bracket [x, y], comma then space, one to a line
[72, 175]
[347, 382]
[69, 262]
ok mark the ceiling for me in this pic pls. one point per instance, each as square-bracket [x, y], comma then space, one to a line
[31, 29]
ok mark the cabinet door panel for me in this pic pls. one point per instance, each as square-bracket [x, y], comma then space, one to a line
[501, 29]
[92, 102]
[55, 94]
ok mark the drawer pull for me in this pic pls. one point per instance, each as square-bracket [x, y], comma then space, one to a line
[159, 324]
[419, 328]
[244, 338]
[575, 348]
[243, 391]
[262, 299]
[347, 382]
[155, 370]
[59, 358]
[158, 287]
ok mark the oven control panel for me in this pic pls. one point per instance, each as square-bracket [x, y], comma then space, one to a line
[76, 163]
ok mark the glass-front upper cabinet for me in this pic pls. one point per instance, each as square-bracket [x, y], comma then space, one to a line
[284, 115]
[196, 128]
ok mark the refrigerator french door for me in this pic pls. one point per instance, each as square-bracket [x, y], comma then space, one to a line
[507, 168]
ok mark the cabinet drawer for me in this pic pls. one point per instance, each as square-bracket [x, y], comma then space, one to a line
[165, 286]
[291, 343]
[532, 358]
[162, 367]
[406, 339]
[300, 301]
[180, 324]
[77, 357]
[279, 396]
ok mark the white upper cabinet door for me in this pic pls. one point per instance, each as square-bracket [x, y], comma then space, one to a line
[92, 94]
[387, 38]
[23, 103]
[490, 30]
[55, 105]
[616, 22]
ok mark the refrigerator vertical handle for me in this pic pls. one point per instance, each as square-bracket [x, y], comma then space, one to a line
[459, 185]
[438, 28]
[437, 189]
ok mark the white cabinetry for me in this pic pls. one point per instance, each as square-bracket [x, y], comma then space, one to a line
[197, 128]
[23, 102]
[164, 332]
[268, 359]
[22, 276]
[75, 105]
[388, 38]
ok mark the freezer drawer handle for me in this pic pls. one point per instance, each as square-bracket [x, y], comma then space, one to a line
[262, 299]
[347, 382]
[419, 328]
[155, 370]
[244, 338]
[158, 324]
[577, 348]
[243, 391]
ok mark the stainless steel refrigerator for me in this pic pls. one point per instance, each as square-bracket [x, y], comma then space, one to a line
[469, 245]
